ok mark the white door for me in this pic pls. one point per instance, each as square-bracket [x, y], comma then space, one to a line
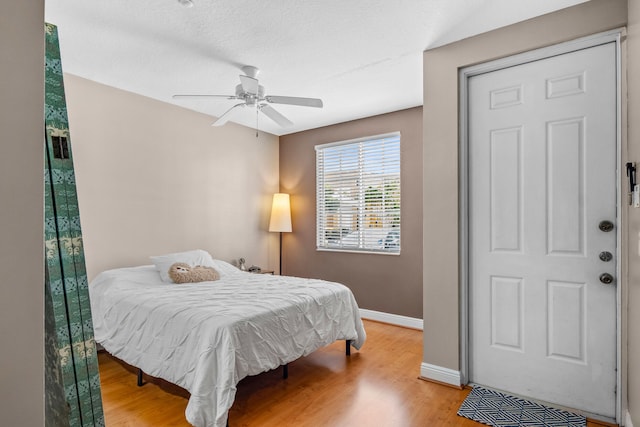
[542, 176]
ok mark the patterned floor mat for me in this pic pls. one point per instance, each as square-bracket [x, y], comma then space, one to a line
[500, 410]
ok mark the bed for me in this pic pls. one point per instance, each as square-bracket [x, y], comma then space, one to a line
[207, 336]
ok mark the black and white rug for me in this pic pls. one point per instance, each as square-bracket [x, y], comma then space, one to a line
[501, 410]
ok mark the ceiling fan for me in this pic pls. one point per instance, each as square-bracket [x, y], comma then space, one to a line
[252, 94]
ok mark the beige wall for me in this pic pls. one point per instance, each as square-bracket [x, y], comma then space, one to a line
[21, 221]
[386, 283]
[154, 178]
[441, 267]
[633, 147]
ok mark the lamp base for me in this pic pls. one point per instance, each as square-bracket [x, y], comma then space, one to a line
[280, 258]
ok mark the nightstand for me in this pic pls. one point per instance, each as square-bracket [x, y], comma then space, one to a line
[264, 272]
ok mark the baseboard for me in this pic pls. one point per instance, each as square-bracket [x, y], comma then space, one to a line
[627, 420]
[393, 319]
[440, 374]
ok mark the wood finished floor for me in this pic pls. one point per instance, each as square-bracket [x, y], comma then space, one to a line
[377, 386]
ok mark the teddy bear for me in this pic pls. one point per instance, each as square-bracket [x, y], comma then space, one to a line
[181, 272]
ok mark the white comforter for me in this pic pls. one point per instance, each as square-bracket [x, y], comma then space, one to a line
[206, 337]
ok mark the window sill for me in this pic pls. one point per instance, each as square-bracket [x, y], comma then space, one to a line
[357, 251]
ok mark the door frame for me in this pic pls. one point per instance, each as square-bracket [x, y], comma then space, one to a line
[464, 74]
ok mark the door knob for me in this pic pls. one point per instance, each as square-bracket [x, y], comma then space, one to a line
[605, 256]
[605, 226]
[606, 278]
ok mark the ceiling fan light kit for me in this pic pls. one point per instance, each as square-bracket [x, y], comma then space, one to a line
[252, 94]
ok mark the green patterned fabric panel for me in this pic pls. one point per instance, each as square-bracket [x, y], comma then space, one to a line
[64, 255]
[56, 409]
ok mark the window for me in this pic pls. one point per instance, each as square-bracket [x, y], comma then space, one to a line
[358, 195]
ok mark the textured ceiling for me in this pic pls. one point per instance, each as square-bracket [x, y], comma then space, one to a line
[362, 57]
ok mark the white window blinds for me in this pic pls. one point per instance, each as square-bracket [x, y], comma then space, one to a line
[358, 195]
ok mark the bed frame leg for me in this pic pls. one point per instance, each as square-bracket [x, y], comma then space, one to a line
[285, 371]
[348, 351]
[140, 382]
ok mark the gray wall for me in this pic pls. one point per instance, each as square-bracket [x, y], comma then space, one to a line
[386, 283]
[21, 222]
[441, 261]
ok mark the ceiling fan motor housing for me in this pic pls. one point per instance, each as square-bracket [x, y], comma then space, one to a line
[250, 98]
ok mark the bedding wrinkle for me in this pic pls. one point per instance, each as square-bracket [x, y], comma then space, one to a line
[207, 336]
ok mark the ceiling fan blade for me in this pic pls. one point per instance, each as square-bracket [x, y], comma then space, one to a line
[270, 112]
[292, 100]
[224, 118]
[204, 96]
[249, 84]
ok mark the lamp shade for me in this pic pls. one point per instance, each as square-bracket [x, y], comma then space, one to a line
[280, 213]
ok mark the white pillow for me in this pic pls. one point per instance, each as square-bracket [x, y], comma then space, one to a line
[193, 258]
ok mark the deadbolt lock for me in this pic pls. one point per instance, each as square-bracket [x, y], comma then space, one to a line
[605, 256]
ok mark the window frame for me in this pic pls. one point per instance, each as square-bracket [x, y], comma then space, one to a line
[321, 242]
